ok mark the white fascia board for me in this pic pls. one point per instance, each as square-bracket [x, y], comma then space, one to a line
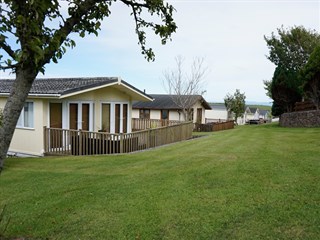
[35, 95]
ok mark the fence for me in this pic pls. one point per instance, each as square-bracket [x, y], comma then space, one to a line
[304, 106]
[214, 120]
[73, 142]
[210, 127]
[142, 124]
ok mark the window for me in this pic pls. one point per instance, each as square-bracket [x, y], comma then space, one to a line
[26, 116]
[144, 114]
[105, 117]
[165, 114]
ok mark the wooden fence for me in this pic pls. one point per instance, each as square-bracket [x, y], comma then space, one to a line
[138, 124]
[304, 106]
[73, 142]
[210, 127]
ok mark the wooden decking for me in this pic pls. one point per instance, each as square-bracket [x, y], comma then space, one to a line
[73, 142]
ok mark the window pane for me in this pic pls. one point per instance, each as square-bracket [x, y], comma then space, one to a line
[105, 117]
[28, 114]
[20, 121]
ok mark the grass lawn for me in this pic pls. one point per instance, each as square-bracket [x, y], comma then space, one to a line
[252, 182]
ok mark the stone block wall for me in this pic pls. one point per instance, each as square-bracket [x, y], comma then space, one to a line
[301, 119]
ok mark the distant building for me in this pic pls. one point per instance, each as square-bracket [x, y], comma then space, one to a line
[217, 113]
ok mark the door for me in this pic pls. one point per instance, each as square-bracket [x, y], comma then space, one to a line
[164, 117]
[117, 118]
[85, 116]
[199, 115]
[55, 122]
[125, 118]
[73, 116]
[77, 121]
[105, 121]
[55, 115]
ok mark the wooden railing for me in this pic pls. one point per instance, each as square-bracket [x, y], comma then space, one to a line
[210, 127]
[73, 142]
[142, 124]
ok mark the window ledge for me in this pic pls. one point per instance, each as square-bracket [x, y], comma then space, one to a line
[26, 128]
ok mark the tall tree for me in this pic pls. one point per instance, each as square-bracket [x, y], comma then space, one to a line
[183, 85]
[289, 51]
[235, 104]
[285, 89]
[310, 76]
[292, 47]
[34, 33]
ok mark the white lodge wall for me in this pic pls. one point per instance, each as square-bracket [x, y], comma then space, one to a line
[97, 97]
[30, 140]
[135, 113]
[155, 114]
[174, 115]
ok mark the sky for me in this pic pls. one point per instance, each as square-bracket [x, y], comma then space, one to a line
[228, 35]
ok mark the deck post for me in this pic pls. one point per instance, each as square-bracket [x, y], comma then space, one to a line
[80, 142]
[45, 142]
[121, 142]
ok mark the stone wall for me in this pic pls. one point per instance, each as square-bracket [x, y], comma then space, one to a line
[301, 119]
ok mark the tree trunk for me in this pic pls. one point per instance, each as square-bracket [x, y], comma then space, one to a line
[12, 109]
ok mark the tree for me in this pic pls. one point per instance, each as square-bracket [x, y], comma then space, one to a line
[34, 33]
[310, 75]
[289, 51]
[292, 48]
[235, 103]
[285, 90]
[183, 87]
[267, 87]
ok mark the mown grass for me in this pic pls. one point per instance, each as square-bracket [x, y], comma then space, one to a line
[252, 182]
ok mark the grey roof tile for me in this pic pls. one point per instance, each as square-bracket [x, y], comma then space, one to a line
[58, 85]
[166, 101]
[61, 86]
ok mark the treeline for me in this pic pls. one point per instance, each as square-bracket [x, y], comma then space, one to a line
[296, 54]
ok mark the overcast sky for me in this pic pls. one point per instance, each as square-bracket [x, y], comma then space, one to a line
[227, 34]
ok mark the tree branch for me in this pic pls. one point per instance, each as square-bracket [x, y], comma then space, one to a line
[6, 47]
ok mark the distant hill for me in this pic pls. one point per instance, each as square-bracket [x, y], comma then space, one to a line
[261, 105]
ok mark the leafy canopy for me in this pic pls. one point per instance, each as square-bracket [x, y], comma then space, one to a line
[310, 76]
[34, 32]
[235, 103]
[292, 47]
[289, 51]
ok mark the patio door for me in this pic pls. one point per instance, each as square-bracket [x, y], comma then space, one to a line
[79, 116]
[85, 116]
[105, 121]
[125, 118]
[115, 117]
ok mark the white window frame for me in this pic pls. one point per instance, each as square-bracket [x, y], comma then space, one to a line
[113, 117]
[21, 120]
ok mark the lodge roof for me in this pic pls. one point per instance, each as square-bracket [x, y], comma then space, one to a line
[166, 101]
[64, 86]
